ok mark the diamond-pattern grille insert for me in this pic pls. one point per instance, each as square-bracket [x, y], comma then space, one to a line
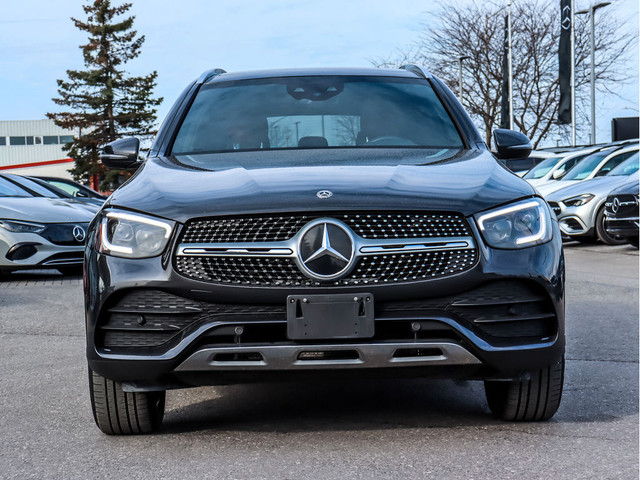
[277, 228]
[283, 272]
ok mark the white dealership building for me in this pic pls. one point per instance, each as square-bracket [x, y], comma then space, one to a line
[34, 147]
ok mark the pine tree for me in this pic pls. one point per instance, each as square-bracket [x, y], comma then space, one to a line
[105, 102]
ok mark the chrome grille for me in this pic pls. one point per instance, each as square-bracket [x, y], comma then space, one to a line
[276, 228]
[283, 272]
[389, 247]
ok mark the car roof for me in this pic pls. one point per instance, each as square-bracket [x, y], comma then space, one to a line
[311, 72]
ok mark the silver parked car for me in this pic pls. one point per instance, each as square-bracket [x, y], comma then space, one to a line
[597, 164]
[580, 207]
[40, 232]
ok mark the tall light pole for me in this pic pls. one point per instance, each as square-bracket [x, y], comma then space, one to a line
[510, 67]
[591, 11]
[460, 59]
[573, 74]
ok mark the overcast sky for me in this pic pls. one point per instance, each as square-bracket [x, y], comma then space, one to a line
[38, 42]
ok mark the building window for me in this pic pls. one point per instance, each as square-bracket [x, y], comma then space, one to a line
[29, 140]
[66, 139]
[38, 140]
[17, 141]
[50, 140]
[3, 141]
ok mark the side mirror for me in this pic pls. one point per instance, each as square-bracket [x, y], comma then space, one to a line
[510, 144]
[557, 174]
[121, 154]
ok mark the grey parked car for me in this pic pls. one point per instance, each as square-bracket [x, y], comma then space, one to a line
[580, 207]
[621, 211]
[40, 232]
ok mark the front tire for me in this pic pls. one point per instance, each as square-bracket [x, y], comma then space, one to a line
[117, 412]
[633, 241]
[535, 399]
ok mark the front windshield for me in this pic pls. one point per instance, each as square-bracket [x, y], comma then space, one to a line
[628, 167]
[316, 112]
[583, 169]
[8, 189]
[542, 168]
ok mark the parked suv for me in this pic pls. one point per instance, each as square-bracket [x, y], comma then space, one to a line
[298, 223]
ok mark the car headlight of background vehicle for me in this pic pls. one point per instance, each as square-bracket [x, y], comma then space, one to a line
[578, 200]
[131, 235]
[22, 227]
[519, 225]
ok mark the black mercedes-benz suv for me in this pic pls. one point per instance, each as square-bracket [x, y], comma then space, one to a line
[303, 223]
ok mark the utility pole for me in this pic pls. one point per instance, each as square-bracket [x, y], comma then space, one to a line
[573, 75]
[510, 68]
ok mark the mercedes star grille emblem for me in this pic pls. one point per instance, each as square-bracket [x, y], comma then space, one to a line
[324, 194]
[615, 205]
[79, 234]
[326, 249]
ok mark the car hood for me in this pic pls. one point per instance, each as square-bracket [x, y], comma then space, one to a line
[600, 186]
[537, 182]
[630, 187]
[555, 185]
[45, 210]
[468, 182]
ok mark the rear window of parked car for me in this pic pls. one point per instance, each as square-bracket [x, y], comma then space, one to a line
[9, 189]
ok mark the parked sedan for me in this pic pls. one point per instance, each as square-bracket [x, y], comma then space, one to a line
[40, 232]
[42, 188]
[597, 164]
[621, 212]
[580, 207]
[74, 189]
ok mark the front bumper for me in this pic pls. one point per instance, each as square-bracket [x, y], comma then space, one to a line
[30, 250]
[208, 351]
[624, 227]
[578, 221]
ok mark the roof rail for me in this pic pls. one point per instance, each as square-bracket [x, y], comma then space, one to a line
[209, 74]
[416, 70]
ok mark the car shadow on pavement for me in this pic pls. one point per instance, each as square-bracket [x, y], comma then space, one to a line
[330, 405]
[363, 404]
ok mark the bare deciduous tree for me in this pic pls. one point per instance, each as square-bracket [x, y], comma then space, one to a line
[477, 30]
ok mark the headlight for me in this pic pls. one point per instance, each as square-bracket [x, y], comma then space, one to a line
[578, 201]
[22, 227]
[520, 225]
[133, 236]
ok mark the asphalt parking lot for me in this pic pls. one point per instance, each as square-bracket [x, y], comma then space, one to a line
[389, 429]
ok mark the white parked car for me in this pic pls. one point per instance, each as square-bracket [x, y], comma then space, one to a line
[554, 168]
[39, 231]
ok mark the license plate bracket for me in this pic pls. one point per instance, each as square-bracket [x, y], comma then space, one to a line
[322, 317]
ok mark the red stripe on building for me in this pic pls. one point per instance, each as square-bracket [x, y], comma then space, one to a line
[36, 164]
